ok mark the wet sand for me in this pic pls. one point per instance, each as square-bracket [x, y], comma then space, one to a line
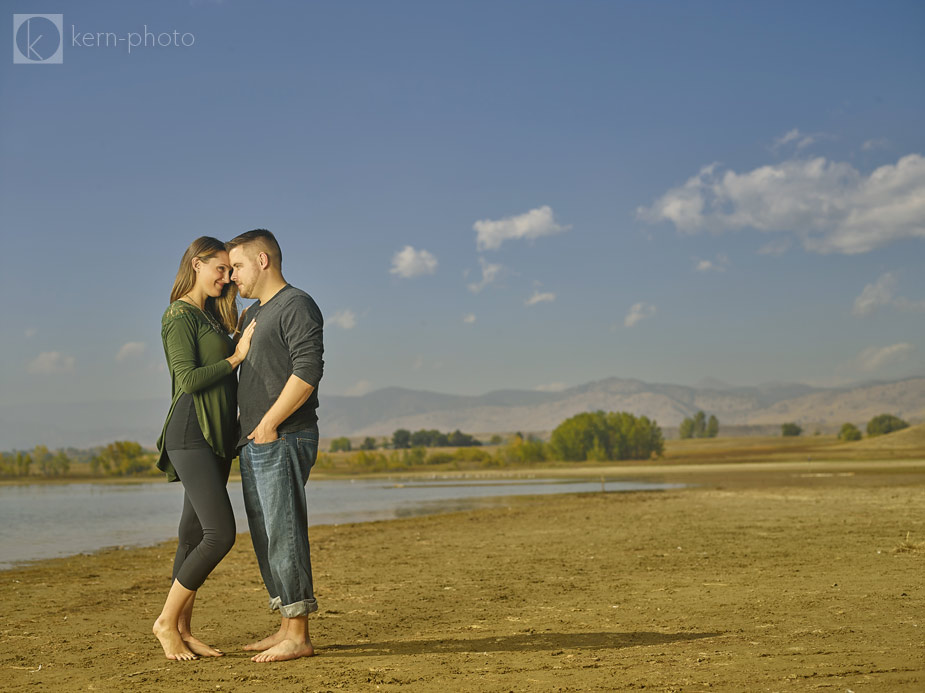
[778, 579]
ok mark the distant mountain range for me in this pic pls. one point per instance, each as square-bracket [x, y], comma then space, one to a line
[381, 412]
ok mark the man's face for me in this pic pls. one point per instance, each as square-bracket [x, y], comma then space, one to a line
[244, 269]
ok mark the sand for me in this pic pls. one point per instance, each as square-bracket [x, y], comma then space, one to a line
[778, 581]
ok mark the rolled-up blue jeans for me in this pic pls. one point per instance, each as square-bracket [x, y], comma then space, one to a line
[273, 476]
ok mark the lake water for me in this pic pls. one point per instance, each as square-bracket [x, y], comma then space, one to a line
[50, 520]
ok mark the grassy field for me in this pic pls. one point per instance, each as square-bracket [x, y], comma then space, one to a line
[908, 444]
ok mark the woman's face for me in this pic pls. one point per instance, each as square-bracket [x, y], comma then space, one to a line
[214, 274]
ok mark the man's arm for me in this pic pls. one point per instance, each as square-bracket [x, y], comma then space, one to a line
[302, 328]
[295, 393]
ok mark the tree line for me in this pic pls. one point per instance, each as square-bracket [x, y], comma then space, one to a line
[590, 436]
[402, 439]
[120, 458]
[878, 426]
[698, 426]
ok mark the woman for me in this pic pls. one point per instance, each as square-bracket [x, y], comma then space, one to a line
[197, 442]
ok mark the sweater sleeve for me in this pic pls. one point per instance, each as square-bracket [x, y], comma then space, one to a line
[303, 329]
[179, 335]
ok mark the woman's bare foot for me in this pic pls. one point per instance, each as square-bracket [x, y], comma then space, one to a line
[268, 642]
[287, 649]
[174, 647]
[199, 647]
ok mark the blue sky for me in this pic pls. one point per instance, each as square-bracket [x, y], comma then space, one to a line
[479, 195]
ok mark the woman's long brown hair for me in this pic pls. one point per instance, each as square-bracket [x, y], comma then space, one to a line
[225, 307]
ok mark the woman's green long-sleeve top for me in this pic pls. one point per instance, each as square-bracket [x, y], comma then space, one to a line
[196, 357]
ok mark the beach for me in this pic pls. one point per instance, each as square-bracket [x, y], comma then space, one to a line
[789, 578]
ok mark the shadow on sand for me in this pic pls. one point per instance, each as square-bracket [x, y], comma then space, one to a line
[512, 643]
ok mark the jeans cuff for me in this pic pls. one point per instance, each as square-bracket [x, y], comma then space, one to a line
[275, 603]
[302, 608]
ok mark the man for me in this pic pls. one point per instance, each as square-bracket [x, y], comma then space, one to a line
[277, 398]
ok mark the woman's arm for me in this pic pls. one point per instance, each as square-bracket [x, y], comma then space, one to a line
[179, 334]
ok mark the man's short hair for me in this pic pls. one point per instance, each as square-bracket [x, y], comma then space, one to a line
[265, 240]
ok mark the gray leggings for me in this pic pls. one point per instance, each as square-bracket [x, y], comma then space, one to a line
[207, 528]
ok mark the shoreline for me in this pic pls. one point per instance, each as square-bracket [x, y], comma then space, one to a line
[610, 471]
[785, 582]
[39, 510]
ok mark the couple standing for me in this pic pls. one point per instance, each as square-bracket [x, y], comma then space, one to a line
[277, 345]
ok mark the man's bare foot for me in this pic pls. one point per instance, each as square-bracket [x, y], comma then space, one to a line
[199, 647]
[267, 643]
[287, 649]
[174, 647]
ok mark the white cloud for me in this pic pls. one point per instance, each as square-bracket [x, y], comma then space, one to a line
[801, 140]
[51, 363]
[345, 319]
[418, 363]
[717, 265]
[638, 311]
[490, 234]
[540, 297]
[787, 137]
[130, 350]
[551, 387]
[830, 206]
[30, 332]
[409, 263]
[882, 293]
[490, 273]
[360, 388]
[879, 143]
[469, 318]
[874, 358]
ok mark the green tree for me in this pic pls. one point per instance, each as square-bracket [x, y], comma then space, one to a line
[401, 439]
[62, 463]
[7, 465]
[576, 436]
[700, 424]
[369, 443]
[414, 457]
[519, 451]
[699, 427]
[634, 438]
[121, 458]
[790, 430]
[42, 459]
[341, 444]
[462, 440]
[495, 440]
[885, 423]
[600, 436]
[849, 432]
[428, 439]
[22, 463]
